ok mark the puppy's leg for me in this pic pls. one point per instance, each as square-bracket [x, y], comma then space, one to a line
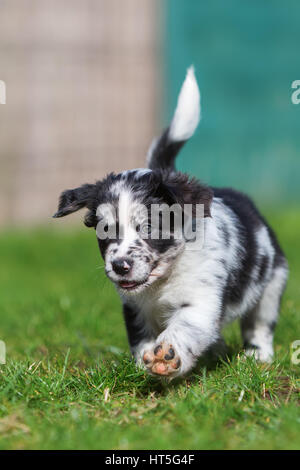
[216, 351]
[140, 336]
[259, 324]
[190, 332]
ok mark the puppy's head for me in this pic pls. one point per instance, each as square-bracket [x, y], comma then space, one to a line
[139, 238]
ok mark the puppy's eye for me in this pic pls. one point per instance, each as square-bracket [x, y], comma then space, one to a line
[146, 228]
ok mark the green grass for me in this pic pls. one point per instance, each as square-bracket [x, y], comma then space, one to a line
[69, 381]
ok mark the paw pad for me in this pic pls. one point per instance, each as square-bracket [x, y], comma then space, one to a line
[162, 360]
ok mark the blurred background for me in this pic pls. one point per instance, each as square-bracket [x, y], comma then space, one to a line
[90, 82]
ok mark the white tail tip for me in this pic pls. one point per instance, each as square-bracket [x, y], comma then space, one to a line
[187, 114]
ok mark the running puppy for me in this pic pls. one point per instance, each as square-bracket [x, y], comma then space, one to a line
[176, 300]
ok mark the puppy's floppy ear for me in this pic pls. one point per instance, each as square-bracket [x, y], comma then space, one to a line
[186, 190]
[72, 200]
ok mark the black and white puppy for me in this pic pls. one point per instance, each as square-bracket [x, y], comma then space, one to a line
[176, 300]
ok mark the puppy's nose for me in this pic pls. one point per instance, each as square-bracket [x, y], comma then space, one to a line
[122, 265]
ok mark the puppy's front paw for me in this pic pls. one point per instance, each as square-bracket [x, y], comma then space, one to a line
[162, 360]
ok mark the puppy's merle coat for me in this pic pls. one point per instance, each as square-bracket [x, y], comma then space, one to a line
[176, 300]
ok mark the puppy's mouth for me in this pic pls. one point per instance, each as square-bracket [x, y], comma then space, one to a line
[131, 285]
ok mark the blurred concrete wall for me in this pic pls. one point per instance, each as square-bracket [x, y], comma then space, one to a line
[82, 96]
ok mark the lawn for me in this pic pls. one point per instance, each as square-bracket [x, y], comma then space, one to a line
[69, 381]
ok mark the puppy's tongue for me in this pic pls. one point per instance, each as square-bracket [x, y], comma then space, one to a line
[127, 284]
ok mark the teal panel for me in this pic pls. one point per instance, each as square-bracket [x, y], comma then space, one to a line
[246, 55]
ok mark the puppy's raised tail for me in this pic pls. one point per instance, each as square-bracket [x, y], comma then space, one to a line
[163, 150]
